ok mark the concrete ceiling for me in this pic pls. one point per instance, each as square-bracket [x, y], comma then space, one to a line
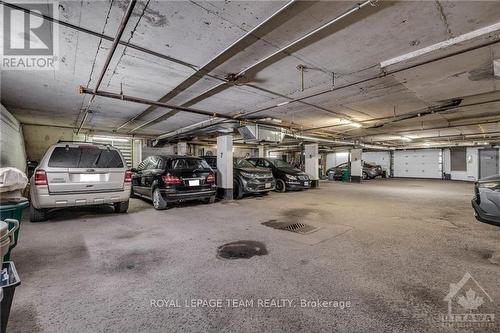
[195, 32]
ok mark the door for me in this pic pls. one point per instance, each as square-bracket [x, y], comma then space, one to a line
[488, 162]
[419, 163]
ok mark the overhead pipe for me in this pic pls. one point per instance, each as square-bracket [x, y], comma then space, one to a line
[202, 70]
[286, 47]
[299, 40]
[99, 35]
[112, 50]
[139, 100]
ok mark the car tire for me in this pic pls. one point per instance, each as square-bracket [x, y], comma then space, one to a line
[280, 186]
[365, 176]
[158, 202]
[210, 200]
[121, 207]
[238, 191]
[37, 215]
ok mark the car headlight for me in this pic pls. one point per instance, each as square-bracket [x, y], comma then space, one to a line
[490, 185]
[291, 177]
[248, 175]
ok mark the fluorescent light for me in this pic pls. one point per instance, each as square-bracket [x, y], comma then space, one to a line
[407, 139]
[283, 103]
[426, 144]
[344, 121]
[108, 138]
[441, 45]
[357, 125]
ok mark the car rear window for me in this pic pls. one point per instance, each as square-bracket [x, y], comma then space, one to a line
[63, 157]
[189, 163]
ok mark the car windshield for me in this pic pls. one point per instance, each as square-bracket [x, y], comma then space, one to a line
[190, 163]
[85, 157]
[280, 163]
[241, 163]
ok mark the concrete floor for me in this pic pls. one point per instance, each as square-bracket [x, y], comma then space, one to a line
[390, 247]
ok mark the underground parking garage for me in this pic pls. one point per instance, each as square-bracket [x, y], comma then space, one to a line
[250, 166]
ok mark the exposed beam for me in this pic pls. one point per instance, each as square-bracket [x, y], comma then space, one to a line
[203, 70]
[112, 50]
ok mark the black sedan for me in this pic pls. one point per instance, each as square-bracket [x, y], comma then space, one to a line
[250, 179]
[370, 171]
[287, 177]
[169, 179]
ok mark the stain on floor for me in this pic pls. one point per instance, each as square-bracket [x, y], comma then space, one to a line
[244, 249]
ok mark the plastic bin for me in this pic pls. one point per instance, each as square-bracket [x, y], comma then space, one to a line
[14, 211]
[8, 287]
[345, 175]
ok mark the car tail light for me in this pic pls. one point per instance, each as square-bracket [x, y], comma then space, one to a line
[40, 177]
[171, 180]
[128, 176]
[210, 178]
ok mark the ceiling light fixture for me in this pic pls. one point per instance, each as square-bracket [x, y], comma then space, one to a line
[357, 125]
[283, 103]
[407, 139]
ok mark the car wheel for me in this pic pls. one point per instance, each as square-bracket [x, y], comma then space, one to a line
[210, 200]
[158, 202]
[121, 207]
[238, 191]
[280, 186]
[365, 176]
[37, 215]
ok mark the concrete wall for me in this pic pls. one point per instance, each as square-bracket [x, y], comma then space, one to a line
[39, 138]
[334, 159]
[12, 149]
[472, 158]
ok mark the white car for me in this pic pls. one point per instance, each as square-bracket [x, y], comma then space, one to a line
[79, 174]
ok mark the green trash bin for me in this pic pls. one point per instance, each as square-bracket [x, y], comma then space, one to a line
[345, 175]
[11, 210]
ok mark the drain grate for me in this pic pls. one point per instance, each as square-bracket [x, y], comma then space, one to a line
[300, 228]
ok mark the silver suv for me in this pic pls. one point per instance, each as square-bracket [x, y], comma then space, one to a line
[79, 174]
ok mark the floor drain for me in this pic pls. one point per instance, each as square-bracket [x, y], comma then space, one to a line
[244, 249]
[300, 228]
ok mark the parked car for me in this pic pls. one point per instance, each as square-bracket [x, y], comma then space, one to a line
[287, 177]
[169, 179]
[250, 179]
[486, 201]
[211, 160]
[370, 171]
[79, 174]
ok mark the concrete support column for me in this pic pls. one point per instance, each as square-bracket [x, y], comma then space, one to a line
[356, 165]
[136, 152]
[225, 166]
[182, 148]
[263, 151]
[311, 162]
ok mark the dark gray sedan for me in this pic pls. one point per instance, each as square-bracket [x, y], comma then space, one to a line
[486, 202]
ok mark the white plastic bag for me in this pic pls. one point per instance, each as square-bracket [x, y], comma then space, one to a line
[12, 179]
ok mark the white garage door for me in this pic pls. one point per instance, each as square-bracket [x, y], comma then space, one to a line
[423, 163]
[382, 158]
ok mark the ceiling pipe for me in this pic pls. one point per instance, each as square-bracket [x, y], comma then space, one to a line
[112, 50]
[139, 100]
[203, 70]
[381, 75]
[99, 35]
[282, 49]
[338, 142]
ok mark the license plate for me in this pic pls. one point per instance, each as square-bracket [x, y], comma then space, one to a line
[194, 182]
[306, 183]
[268, 185]
[89, 178]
